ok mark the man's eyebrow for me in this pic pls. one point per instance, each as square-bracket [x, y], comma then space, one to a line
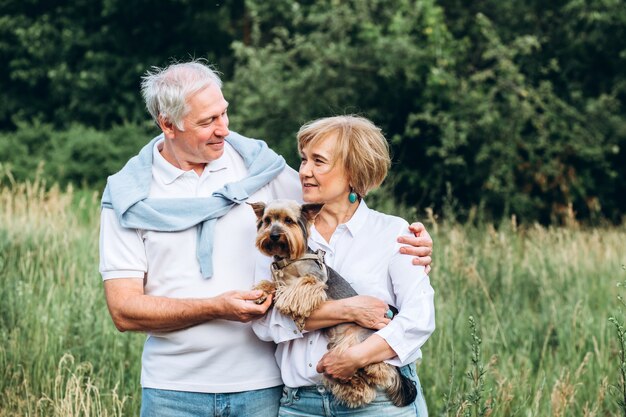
[208, 118]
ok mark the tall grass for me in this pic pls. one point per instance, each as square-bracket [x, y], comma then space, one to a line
[542, 297]
[59, 352]
[539, 342]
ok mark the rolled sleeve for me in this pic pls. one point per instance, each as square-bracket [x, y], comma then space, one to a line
[415, 322]
[122, 252]
[276, 327]
[410, 329]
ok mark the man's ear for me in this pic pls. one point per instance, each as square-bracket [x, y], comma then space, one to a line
[311, 210]
[166, 126]
[259, 209]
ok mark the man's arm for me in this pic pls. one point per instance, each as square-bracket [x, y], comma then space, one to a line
[132, 310]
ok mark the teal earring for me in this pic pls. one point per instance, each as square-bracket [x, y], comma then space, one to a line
[352, 197]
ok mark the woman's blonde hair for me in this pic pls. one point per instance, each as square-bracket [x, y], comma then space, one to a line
[359, 145]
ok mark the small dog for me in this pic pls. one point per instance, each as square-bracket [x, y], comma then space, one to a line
[301, 282]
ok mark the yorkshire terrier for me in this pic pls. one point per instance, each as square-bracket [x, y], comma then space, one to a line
[301, 281]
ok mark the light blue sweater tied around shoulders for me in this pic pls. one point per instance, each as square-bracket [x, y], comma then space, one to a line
[127, 192]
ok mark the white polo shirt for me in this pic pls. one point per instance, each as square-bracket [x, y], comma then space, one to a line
[365, 252]
[220, 355]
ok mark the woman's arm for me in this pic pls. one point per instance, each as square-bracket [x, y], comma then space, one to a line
[366, 311]
[343, 365]
[396, 343]
[399, 342]
[363, 310]
[415, 322]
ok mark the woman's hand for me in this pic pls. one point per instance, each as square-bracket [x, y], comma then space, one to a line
[343, 365]
[339, 366]
[368, 312]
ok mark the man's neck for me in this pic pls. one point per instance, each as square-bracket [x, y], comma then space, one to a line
[179, 162]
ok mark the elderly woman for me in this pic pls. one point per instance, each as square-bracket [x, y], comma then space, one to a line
[343, 158]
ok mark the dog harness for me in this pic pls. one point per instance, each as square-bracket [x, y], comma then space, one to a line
[317, 257]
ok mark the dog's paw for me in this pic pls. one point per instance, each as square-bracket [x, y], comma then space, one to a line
[262, 298]
[268, 287]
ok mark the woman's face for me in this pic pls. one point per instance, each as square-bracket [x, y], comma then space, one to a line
[323, 182]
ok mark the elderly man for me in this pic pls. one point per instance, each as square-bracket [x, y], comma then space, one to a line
[177, 246]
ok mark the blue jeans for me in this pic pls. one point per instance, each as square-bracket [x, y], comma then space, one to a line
[165, 403]
[317, 401]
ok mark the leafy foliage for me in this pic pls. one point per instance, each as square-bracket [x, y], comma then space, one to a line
[492, 108]
[478, 117]
[81, 61]
[79, 155]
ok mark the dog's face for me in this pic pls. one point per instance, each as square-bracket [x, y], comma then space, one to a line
[283, 227]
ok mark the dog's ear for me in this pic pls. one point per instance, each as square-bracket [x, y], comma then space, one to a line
[309, 211]
[258, 208]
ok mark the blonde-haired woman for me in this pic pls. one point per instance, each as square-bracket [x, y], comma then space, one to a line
[343, 158]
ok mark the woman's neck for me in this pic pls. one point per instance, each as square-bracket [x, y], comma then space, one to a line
[332, 215]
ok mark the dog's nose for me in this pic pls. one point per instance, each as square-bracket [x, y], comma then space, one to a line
[274, 236]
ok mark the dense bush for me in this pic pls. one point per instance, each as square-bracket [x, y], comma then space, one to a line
[492, 108]
[480, 116]
[80, 155]
[69, 62]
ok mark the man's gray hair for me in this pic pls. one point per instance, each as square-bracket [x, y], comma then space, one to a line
[165, 90]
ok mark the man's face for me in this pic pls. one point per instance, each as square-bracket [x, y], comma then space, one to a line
[205, 126]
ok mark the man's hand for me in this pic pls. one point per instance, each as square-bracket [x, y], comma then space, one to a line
[420, 246]
[241, 306]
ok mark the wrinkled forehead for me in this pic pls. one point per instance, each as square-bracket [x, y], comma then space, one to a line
[282, 208]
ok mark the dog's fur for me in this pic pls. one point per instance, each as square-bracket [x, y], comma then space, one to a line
[301, 282]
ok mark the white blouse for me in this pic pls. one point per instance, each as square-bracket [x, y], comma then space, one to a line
[365, 252]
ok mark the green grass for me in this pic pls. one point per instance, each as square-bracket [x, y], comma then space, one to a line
[60, 353]
[540, 343]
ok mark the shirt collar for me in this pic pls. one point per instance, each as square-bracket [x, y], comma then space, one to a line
[169, 173]
[354, 225]
[358, 219]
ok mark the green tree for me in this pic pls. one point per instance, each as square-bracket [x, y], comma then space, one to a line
[476, 114]
[314, 59]
[578, 58]
[81, 61]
